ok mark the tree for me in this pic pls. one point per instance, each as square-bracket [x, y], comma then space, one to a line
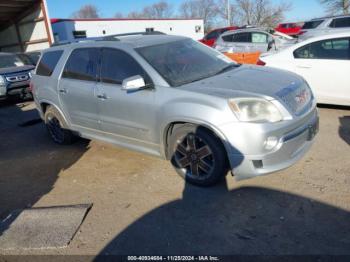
[161, 9]
[259, 12]
[158, 10]
[135, 15]
[228, 14]
[204, 9]
[337, 6]
[118, 15]
[86, 11]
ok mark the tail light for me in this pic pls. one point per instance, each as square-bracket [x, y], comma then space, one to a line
[261, 63]
[302, 32]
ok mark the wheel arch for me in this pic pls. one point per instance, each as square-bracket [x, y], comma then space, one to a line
[44, 104]
[170, 126]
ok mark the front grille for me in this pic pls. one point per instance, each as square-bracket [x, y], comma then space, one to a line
[17, 78]
[297, 97]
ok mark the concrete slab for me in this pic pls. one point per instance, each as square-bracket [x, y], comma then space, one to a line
[42, 228]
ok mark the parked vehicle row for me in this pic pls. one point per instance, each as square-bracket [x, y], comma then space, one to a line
[303, 31]
[327, 25]
[179, 100]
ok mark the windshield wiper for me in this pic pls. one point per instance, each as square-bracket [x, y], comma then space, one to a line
[227, 68]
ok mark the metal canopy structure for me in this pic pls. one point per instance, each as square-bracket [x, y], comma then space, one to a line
[24, 25]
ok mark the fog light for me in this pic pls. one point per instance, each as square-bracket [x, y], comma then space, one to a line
[271, 142]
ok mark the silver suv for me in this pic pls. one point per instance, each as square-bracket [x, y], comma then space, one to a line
[177, 99]
[326, 25]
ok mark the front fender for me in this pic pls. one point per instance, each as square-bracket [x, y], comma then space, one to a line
[208, 115]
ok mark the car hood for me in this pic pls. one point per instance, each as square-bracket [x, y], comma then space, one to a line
[246, 81]
[16, 69]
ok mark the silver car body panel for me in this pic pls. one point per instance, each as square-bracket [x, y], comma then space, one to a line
[280, 42]
[140, 120]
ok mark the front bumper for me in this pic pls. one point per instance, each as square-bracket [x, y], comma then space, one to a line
[293, 144]
[15, 89]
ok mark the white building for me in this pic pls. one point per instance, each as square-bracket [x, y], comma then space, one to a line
[70, 29]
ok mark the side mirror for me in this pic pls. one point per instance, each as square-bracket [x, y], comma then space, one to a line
[133, 83]
[271, 44]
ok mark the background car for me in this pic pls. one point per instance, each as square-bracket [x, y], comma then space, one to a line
[251, 40]
[29, 58]
[326, 25]
[213, 35]
[324, 61]
[15, 76]
[291, 29]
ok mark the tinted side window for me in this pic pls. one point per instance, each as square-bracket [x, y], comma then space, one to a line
[48, 63]
[312, 24]
[338, 49]
[228, 38]
[212, 35]
[82, 64]
[340, 22]
[242, 38]
[118, 65]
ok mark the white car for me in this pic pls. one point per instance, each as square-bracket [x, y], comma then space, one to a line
[326, 25]
[324, 62]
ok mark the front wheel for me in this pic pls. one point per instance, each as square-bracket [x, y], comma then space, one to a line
[197, 155]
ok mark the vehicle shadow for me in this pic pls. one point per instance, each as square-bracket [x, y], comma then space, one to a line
[344, 128]
[245, 221]
[29, 161]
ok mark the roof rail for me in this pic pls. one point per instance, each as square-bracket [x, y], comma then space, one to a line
[107, 38]
[115, 37]
[331, 16]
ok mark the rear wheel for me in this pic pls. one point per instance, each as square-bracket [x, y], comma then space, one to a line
[57, 127]
[197, 155]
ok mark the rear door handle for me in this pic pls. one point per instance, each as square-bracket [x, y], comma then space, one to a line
[63, 91]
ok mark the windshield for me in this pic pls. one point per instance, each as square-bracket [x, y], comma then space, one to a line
[312, 24]
[10, 60]
[185, 61]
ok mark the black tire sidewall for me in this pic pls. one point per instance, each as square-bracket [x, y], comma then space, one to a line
[219, 153]
[68, 137]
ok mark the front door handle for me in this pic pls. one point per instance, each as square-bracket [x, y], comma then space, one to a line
[304, 66]
[103, 96]
[63, 91]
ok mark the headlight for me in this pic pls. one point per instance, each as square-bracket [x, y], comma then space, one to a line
[255, 110]
[31, 73]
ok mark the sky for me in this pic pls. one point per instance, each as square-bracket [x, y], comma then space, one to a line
[301, 9]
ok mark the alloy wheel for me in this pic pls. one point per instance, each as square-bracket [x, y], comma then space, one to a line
[195, 157]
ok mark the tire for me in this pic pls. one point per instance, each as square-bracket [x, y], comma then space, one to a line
[57, 127]
[202, 162]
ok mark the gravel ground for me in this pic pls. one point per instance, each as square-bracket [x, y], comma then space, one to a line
[141, 206]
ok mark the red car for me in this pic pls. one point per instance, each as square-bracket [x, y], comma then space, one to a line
[213, 35]
[292, 29]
